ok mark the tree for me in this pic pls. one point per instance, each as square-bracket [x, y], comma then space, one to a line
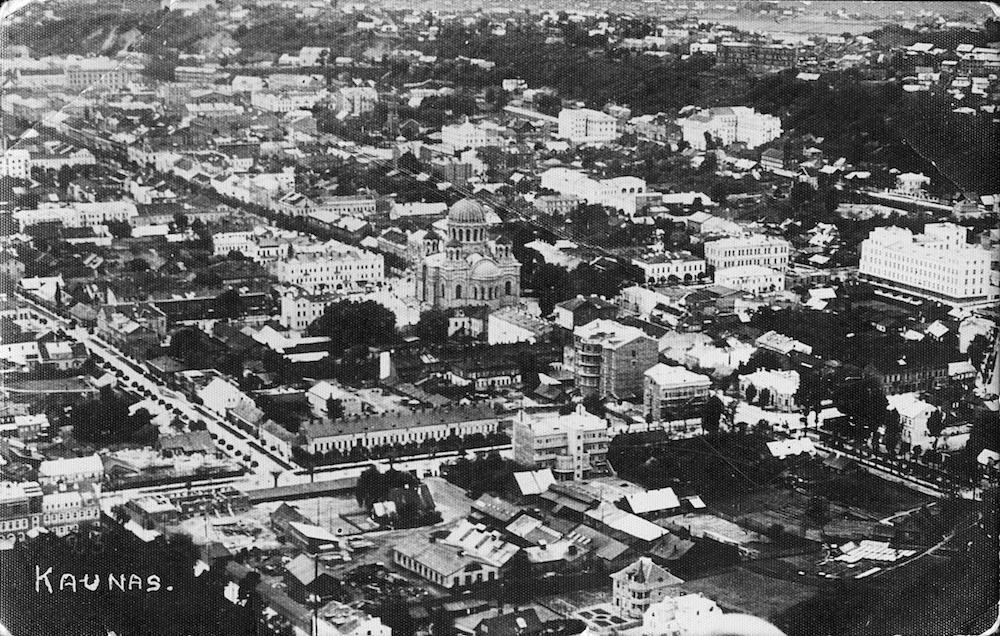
[594, 404]
[353, 324]
[432, 326]
[334, 408]
[818, 511]
[977, 350]
[751, 393]
[764, 398]
[106, 420]
[935, 423]
[137, 265]
[228, 304]
[893, 431]
[711, 415]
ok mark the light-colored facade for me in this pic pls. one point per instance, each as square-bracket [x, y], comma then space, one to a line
[257, 246]
[669, 386]
[781, 387]
[20, 508]
[583, 125]
[78, 214]
[640, 585]
[469, 269]
[938, 265]
[469, 135]
[63, 512]
[683, 615]
[670, 267]
[399, 428]
[754, 279]
[574, 446]
[99, 72]
[286, 101]
[299, 308]
[339, 266]
[729, 125]
[15, 163]
[756, 249]
[621, 193]
[610, 358]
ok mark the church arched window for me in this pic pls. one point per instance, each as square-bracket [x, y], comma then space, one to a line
[506, 288]
[458, 291]
[475, 293]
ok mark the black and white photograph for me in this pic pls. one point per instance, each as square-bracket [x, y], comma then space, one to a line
[499, 318]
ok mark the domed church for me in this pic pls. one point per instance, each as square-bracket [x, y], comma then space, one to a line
[469, 269]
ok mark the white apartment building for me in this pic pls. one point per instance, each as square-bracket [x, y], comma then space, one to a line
[621, 193]
[300, 308]
[469, 135]
[729, 125]
[583, 125]
[756, 249]
[671, 266]
[938, 265]
[286, 101]
[15, 163]
[355, 100]
[753, 279]
[78, 214]
[574, 446]
[260, 247]
[668, 386]
[339, 266]
[99, 72]
[63, 512]
[781, 387]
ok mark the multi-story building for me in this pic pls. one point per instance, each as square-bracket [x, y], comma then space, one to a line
[398, 428]
[63, 512]
[610, 358]
[730, 125]
[78, 214]
[583, 125]
[753, 279]
[197, 74]
[300, 308]
[938, 265]
[670, 267]
[286, 101]
[758, 56]
[99, 72]
[574, 446]
[756, 249]
[671, 389]
[469, 135]
[354, 101]
[259, 247]
[71, 470]
[15, 163]
[556, 203]
[20, 508]
[640, 585]
[339, 266]
[781, 387]
[627, 194]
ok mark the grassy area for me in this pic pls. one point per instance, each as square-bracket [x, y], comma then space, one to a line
[750, 592]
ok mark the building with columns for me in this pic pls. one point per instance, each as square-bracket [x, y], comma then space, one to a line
[469, 269]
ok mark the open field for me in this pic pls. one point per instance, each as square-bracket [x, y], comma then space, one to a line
[750, 593]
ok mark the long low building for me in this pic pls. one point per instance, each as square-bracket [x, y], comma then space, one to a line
[399, 428]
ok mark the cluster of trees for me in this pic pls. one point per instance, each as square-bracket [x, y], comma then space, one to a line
[491, 473]
[720, 463]
[374, 485]
[105, 420]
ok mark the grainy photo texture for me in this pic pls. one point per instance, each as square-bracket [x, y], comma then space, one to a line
[511, 318]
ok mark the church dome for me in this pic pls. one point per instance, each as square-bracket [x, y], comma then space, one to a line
[485, 269]
[467, 211]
